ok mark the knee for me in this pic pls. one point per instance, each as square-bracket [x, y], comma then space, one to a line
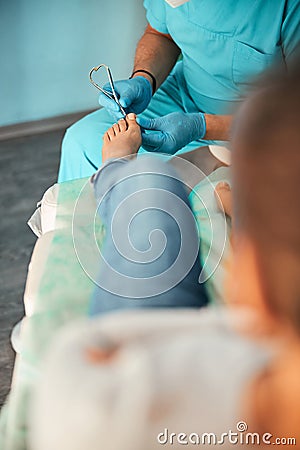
[154, 171]
[153, 165]
[70, 139]
[149, 163]
[74, 132]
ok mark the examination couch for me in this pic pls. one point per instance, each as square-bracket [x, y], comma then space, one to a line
[59, 284]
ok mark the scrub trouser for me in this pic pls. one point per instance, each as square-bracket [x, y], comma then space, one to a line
[150, 255]
[81, 147]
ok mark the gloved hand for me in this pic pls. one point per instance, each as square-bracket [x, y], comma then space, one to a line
[134, 95]
[172, 132]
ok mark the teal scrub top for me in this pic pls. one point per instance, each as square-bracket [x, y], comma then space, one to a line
[225, 43]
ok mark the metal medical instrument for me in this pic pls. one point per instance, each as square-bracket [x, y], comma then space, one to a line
[111, 95]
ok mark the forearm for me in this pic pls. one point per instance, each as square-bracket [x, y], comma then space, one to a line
[217, 127]
[157, 53]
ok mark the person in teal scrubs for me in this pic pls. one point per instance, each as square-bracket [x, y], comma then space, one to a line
[187, 104]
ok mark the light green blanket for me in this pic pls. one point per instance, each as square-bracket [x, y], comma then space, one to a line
[65, 286]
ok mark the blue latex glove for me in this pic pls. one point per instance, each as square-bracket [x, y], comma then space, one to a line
[134, 95]
[172, 132]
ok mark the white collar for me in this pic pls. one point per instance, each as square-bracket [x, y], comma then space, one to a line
[176, 3]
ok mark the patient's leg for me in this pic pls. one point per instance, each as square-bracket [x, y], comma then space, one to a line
[150, 256]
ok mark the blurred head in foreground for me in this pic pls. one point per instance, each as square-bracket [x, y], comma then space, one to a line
[266, 263]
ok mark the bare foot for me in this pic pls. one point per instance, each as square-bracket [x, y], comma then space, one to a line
[122, 139]
[224, 197]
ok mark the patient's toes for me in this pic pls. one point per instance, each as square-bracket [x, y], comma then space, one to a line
[111, 133]
[134, 131]
[122, 125]
[106, 138]
[131, 121]
[116, 129]
[124, 139]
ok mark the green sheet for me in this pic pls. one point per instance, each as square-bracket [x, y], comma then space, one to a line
[66, 285]
[62, 296]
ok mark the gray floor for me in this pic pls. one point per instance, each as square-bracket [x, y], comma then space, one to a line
[28, 166]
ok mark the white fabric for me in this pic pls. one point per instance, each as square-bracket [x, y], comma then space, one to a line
[182, 370]
[43, 218]
[176, 3]
[223, 154]
[36, 271]
[38, 261]
[48, 208]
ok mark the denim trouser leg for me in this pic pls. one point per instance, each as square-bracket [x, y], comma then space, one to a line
[150, 256]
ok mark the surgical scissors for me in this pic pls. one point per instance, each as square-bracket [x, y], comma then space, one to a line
[111, 95]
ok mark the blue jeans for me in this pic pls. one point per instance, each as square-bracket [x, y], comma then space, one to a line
[150, 255]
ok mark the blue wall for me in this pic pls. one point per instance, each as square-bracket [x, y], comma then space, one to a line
[47, 48]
